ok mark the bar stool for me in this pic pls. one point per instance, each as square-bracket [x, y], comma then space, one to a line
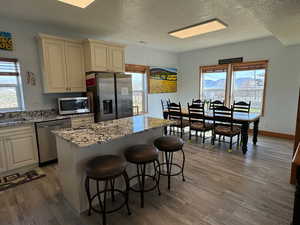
[105, 169]
[141, 155]
[169, 145]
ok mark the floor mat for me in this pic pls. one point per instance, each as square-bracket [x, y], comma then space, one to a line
[16, 179]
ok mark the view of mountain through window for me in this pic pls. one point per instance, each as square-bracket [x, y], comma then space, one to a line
[235, 82]
[10, 93]
[249, 86]
[214, 85]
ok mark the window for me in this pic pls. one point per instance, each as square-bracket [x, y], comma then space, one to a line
[213, 82]
[10, 93]
[248, 84]
[139, 90]
[235, 82]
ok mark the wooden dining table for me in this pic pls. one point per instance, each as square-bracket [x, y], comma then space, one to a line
[243, 119]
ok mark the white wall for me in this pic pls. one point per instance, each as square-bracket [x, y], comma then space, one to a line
[282, 84]
[150, 57]
[26, 51]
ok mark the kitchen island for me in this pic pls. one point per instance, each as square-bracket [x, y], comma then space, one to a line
[77, 146]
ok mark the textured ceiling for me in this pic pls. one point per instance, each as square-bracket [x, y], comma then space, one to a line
[131, 21]
[281, 17]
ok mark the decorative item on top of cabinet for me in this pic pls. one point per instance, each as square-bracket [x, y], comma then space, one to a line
[62, 64]
[102, 56]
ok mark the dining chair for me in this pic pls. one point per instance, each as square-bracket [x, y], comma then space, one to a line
[164, 106]
[226, 127]
[175, 113]
[196, 101]
[197, 121]
[242, 107]
[215, 103]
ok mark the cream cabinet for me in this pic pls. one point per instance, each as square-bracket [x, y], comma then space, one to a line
[62, 64]
[75, 67]
[117, 59]
[3, 165]
[104, 56]
[18, 148]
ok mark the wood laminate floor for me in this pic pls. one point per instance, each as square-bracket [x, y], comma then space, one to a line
[221, 188]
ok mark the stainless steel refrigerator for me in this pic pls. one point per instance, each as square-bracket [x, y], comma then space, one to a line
[112, 95]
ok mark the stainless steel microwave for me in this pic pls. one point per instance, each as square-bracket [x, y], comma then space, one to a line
[73, 105]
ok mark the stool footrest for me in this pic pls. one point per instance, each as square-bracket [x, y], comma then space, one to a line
[153, 177]
[171, 174]
[112, 210]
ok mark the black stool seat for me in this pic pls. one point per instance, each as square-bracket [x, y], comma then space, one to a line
[105, 170]
[141, 154]
[169, 143]
[105, 166]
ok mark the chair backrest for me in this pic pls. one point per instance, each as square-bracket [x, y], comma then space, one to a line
[223, 115]
[241, 106]
[164, 104]
[215, 103]
[197, 101]
[196, 113]
[174, 110]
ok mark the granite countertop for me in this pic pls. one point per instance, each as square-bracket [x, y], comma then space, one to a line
[106, 131]
[24, 118]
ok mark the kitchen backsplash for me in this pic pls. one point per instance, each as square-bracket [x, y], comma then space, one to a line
[28, 114]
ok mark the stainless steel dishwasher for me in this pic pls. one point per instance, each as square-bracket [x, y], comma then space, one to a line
[46, 139]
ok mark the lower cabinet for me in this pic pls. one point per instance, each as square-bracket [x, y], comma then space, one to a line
[3, 165]
[18, 148]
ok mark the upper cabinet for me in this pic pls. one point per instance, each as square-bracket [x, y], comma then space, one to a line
[62, 64]
[75, 67]
[103, 56]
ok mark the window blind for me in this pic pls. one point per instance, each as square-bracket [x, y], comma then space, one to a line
[214, 68]
[255, 65]
[9, 67]
[136, 68]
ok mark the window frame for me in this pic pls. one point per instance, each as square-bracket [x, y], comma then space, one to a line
[229, 79]
[213, 68]
[134, 68]
[18, 85]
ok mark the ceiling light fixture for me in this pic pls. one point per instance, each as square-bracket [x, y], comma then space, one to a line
[78, 3]
[200, 28]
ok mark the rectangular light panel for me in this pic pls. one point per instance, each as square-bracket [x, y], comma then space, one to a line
[78, 3]
[197, 29]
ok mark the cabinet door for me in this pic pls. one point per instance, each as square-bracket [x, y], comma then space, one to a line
[21, 150]
[117, 59]
[54, 66]
[3, 166]
[100, 57]
[75, 67]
